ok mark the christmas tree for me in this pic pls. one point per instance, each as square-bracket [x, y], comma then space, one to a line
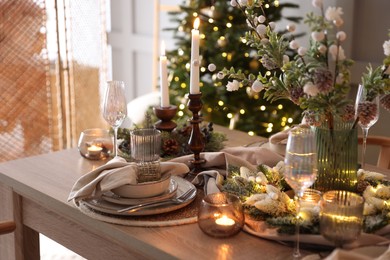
[222, 45]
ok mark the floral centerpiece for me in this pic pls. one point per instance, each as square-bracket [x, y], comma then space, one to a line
[266, 198]
[316, 78]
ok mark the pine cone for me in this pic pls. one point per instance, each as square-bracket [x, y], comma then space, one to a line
[323, 79]
[295, 94]
[349, 113]
[367, 111]
[361, 186]
[170, 147]
[385, 102]
[268, 63]
[312, 118]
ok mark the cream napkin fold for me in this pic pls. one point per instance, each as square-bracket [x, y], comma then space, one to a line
[278, 141]
[216, 164]
[115, 173]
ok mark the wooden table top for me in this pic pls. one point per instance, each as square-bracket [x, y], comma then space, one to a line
[47, 180]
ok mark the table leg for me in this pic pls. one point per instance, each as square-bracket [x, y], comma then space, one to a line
[23, 243]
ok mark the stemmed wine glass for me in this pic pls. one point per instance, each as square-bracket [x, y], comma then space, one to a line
[367, 112]
[301, 167]
[115, 108]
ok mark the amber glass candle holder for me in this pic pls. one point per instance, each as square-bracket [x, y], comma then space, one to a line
[95, 144]
[221, 215]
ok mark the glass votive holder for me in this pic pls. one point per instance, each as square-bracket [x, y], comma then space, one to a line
[145, 151]
[221, 215]
[95, 144]
[341, 216]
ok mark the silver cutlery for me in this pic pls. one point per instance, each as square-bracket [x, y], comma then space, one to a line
[177, 200]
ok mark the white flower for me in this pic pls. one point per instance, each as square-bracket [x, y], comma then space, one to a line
[233, 3]
[264, 41]
[317, 3]
[341, 36]
[386, 48]
[257, 86]
[294, 45]
[383, 192]
[272, 25]
[212, 67]
[338, 22]
[260, 178]
[233, 85]
[261, 29]
[322, 48]
[261, 19]
[333, 13]
[286, 59]
[220, 75]
[311, 89]
[369, 175]
[333, 52]
[340, 78]
[245, 172]
[369, 209]
[291, 27]
[302, 51]
[243, 2]
[255, 197]
[317, 36]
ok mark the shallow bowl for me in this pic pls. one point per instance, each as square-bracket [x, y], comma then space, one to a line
[144, 189]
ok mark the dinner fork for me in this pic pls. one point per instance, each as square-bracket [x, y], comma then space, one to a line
[178, 200]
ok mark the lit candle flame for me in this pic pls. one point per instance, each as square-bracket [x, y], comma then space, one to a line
[196, 23]
[225, 221]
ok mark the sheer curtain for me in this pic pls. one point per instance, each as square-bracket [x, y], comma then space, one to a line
[52, 72]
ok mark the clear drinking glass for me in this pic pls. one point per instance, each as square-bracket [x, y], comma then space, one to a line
[367, 111]
[341, 216]
[301, 167]
[145, 151]
[115, 108]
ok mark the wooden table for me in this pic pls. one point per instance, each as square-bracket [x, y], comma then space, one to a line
[34, 193]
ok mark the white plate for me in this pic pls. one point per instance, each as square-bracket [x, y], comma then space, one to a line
[112, 208]
[114, 198]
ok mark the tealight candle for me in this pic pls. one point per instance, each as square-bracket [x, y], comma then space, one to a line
[94, 151]
[225, 221]
[220, 215]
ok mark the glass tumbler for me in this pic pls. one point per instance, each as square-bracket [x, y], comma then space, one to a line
[145, 151]
[341, 216]
[221, 215]
[95, 144]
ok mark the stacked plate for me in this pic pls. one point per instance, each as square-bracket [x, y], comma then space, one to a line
[167, 188]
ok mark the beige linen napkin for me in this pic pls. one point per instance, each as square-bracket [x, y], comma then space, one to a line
[115, 173]
[217, 163]
[278, 141]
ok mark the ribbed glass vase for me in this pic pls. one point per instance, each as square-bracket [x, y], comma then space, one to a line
[337, 158]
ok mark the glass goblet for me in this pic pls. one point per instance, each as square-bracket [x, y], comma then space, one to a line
[367, 112]
[341, 216]
[115, 108]
[300, 167]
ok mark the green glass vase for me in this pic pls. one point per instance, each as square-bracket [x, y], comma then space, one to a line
[337, 157]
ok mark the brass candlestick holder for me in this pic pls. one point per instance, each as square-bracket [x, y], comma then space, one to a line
[196, 141]
[165, 114]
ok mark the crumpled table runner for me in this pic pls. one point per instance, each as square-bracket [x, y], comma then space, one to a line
[115, 173]
[217, 163]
